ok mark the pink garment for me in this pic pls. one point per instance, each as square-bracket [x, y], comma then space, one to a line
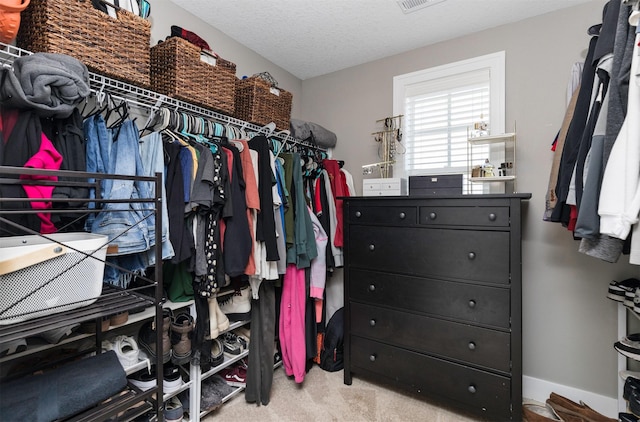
[291, 324]
[47, 158]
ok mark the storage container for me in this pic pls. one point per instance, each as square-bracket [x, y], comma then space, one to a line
[178, 71]
[118, 48]
[40, 277]
[258, 102]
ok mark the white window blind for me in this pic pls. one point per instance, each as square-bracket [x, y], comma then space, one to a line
[437, 120]
[440, 105]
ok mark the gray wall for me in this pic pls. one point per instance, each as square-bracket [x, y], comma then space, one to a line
[165, 13]
[569, 325]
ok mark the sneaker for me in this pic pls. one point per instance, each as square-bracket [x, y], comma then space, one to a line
[627, 417]
[630, 384]
[629, 346]
[171, 379]
[14, 346]
[147, 338]
[617, 290]
[235, 376]
[144, 379]
[181, 328]
[56, 335]
[237, 307]
[126, 350]
[231, 344]
[173, 411]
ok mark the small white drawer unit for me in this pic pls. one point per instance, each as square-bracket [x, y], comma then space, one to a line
[391, 186]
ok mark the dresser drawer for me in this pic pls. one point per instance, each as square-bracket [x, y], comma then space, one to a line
[460, 254]
[464, 302]
[465, 216]
[388, 216]
[462, 342]
[485, 393]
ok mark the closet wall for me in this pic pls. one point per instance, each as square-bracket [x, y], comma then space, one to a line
[569, 326]
[165, 13]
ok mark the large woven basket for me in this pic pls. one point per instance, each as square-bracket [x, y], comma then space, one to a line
[118, 48]
[258, 102]
[178, 71]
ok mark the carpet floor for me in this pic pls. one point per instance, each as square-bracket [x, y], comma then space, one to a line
[324, 397]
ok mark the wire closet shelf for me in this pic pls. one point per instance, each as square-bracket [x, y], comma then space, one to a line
[152, 100]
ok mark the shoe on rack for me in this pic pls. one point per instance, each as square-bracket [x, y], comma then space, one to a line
[147, 337]
[634, 403]
[56, 335]
[223, 320]
[214, 391]
[627, 417]
[126, 350]
[217, 352]
[171, 379]
[566, 408]
[181, 330]
[630, 384]
[119, 318]
[629, 346]
[231, 343]
[213, 318]
[14, 346]
[144, 379]
[173, 410]
[235, 376]
[237, 307]
[618, 289]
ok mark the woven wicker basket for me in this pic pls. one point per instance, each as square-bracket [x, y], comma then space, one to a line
[117, 48]
[177, 71]
[257, 102]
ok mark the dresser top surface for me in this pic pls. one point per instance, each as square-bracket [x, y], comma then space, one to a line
[522, 196]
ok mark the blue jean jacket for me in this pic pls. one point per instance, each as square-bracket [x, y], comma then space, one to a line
[129, 225]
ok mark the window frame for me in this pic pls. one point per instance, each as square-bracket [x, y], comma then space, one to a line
[495, 62]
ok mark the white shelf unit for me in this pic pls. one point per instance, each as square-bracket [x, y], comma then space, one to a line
[499, 150]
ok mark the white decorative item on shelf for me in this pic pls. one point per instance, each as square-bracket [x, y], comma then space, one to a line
[491, 159]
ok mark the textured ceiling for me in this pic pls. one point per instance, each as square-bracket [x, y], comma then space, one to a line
[313, 37]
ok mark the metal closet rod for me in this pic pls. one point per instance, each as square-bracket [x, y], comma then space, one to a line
[152, 100]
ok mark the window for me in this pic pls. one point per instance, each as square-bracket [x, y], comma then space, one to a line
[440, 105]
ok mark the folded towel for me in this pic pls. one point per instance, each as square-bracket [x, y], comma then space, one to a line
[50, 84]
[324, 138]
[63, 391]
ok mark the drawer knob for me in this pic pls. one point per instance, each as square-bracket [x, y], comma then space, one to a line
[358, 214]
[372, 358]
[372, 247]
[472, 303]
[402, 216]
[433, 216]
[471, 389]
[372, 287]
[372, 322]
[492, 217]
[472, 255]
[472, 346]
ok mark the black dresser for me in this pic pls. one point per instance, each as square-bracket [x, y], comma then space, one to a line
[433, 298]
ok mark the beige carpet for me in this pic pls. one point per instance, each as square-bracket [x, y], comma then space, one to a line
[324, 397]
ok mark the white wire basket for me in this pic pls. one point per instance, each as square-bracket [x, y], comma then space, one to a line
[42, 276]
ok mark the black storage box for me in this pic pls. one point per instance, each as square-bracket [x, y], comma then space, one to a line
[443, 184]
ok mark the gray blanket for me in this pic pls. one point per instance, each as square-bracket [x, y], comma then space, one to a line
[303, 130]
[64, 391]
[50, 84]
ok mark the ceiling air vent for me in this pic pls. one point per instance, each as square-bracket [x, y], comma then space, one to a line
[410, 6]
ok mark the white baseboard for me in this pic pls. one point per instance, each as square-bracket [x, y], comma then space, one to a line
[539, 390]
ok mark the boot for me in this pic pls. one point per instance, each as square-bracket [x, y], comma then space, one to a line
[213, 318]
[237, 307]
[181, 328]
[10, 18]
[223, 321]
